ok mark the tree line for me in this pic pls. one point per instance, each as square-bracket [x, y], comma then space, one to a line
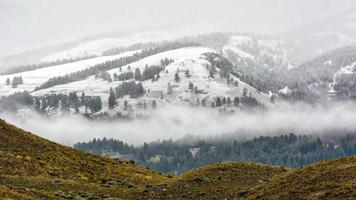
[108, 65]
[286, 150]
[16, 80]
[51, 102]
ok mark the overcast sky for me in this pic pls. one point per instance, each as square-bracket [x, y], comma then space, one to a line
[27, 24]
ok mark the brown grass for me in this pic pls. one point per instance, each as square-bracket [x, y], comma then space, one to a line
[34, 168]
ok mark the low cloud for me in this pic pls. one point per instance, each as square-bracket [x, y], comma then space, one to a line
[175, 122]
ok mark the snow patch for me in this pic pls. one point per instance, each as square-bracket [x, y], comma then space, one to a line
[285, 90]
[239, 40]
[238, 51]
[34, 78]
[328, 63]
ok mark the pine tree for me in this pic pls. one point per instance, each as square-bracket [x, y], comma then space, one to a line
[191, 86]
[112, 99]
[211, 73]
[244, 92]
[126, 104]
[218, 102]
[76, 108]
[187, 73]
[169, 89]
[83, 98]
[176, 77]
[203, 102]
[140, 89]
[37, 104]
[236, 101]
[196, 91]
[224, 100]
[228, 101]
[273, 98]
[8, 81]
[116, 77]
[154, 104]
[157, 77]
[99, 104]
[64, 104]
[138, 76]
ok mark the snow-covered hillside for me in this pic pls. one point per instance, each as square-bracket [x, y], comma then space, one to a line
[269, 53]
[344, 81]
[34, 78]
[97, 47]
[190, 58]
[315, 38]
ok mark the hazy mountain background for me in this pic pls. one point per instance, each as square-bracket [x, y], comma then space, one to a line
[37, 23]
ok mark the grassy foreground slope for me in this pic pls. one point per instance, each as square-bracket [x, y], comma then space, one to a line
[330, 179]
[35, 168]
[217, 181]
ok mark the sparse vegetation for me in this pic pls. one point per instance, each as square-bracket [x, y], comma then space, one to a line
[35, 168]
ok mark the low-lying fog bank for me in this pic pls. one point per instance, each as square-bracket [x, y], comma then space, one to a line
[175, 122]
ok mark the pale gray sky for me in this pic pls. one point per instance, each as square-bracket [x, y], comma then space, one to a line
[27, 24]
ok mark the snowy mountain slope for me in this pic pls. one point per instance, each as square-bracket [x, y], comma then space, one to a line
[190, 58]
[34, 78]
[92, 45]
[313, 39]
[344, 82]
[263, 59]
[329, 74]
[238, 52]
[98, 46]
[268, 53]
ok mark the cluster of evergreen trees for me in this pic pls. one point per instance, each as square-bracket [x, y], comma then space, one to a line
[108, 65]
[94, 103]
[245, 101]
[124, 76]
[176, 44]
[13, 102]
[263, 73]
[301, 94]
[17, 80]
[105, 76]
[131, 88]
[133, 47]
[311, 80]
[149, 73]
[226, 68]
[285, 150]
[223, 101]
[65, 102]
[345, 85]
[52, 102]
